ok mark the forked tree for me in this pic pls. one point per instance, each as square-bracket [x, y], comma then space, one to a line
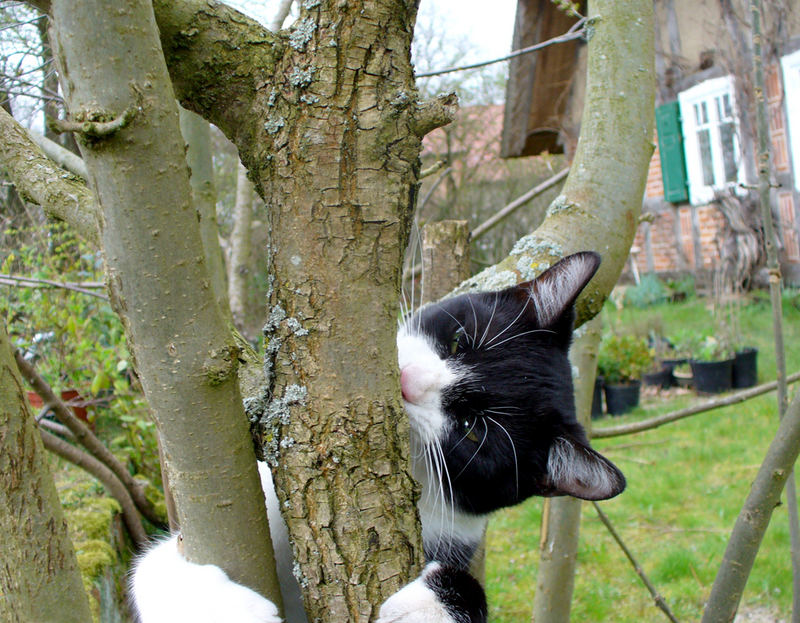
[327, 121]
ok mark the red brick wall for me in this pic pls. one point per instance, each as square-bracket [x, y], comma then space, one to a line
[655, 184]
[664, 246]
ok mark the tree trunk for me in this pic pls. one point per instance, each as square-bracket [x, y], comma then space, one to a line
[561, 519]
[445, 258]
[156, 271]
[329, 126]
[600, 204]
[39, 576]
[197, 134]
[239, 247]
[340, 179]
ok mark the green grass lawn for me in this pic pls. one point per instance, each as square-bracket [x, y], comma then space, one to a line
[686, 483]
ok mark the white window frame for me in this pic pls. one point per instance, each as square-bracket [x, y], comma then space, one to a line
[708, 107]
[791, 89]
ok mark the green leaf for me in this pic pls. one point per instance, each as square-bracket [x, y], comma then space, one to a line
[100, 381]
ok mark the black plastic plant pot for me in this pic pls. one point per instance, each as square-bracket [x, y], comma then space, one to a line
[745, 368]
[597, 398]
[712, 377]
[622, 398]
[661, 379]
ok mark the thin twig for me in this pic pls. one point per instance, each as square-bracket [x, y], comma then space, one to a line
[431, 170]
[657, 598]
[501, 214]
[94, 129]
[568, 36]
[55, 427]
[655, 422]
[31, 282]
[87, 438]
[512, 207]
[130, 515]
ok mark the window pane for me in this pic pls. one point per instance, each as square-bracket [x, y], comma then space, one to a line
[727, 138]
[705, 112]
[704, 140]
[726, 103]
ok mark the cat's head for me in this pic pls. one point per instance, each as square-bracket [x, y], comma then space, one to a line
[488, 388]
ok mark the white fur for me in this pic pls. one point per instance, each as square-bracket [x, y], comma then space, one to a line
[578, 474]
[424, 376]
[551, 294]
[167, 589]
[442, 524]
[415, 603]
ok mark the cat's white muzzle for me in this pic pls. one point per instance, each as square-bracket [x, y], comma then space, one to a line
[423, 377]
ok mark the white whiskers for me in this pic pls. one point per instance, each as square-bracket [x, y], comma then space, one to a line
[513, 450]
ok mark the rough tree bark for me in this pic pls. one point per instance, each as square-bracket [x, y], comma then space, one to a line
[156, 273]
[328, 125]
[445, 258]
[38, 179]
[39, 575]
[326, 119]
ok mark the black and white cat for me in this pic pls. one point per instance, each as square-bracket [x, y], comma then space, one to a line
[487, 386]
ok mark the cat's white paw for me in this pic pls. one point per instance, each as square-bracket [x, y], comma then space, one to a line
[415, 603]
[167, 588]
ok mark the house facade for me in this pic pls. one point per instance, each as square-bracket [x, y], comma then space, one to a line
[699, 206]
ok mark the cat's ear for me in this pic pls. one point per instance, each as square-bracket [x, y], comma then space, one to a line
[556, 289]
[573, 468]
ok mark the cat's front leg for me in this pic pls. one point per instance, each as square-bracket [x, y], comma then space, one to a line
[441, 594]
[167, 588]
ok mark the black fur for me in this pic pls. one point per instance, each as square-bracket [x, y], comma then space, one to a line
[460, 593]
[519, 387]
[511, 427]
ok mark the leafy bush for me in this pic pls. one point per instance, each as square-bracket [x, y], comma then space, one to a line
[623, 358]
[683, 287]
[649, 291]
[75, 340]
[712, 348]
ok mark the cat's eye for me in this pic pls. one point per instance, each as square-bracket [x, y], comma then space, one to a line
[454, 341]
[469, 428]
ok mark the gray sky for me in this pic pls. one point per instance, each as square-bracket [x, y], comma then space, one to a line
[488, 25]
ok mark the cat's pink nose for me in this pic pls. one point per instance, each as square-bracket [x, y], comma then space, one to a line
[412, 383]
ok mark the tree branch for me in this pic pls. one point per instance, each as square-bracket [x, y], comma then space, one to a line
[655, 422]
[31, 282]
[94, 129]
[753, 519]
[61, 156]
[218, 59]
[576, 32]
[97, 469]
[657, 598]
[435, 113]
[88, 439]
[773, 266]
[602, 198]
[38, 179]
[520, 201]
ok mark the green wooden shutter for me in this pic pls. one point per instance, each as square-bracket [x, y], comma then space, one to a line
[670, 147]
